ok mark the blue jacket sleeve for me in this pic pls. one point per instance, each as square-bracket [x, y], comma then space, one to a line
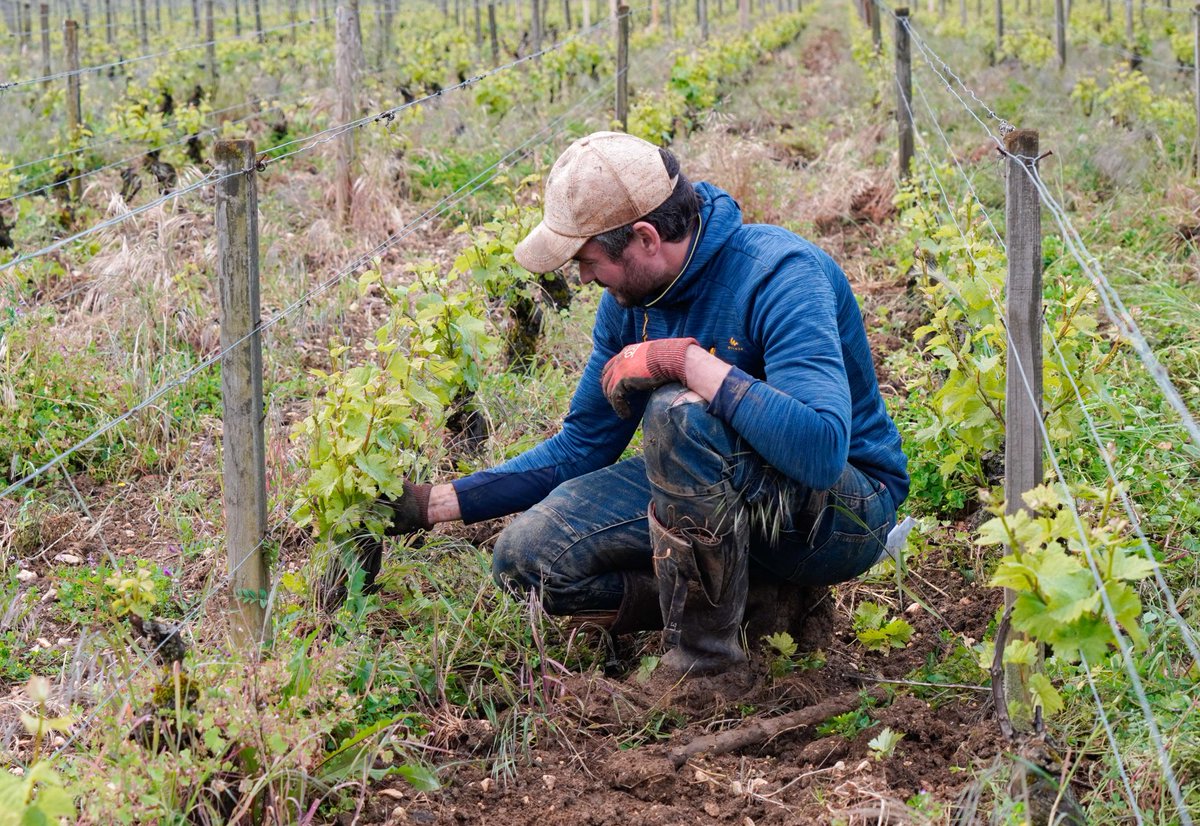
[592, 437]
[798, 419]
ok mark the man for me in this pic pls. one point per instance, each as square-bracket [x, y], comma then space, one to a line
[741, 352]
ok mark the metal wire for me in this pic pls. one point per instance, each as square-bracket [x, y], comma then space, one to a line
[1110, 613]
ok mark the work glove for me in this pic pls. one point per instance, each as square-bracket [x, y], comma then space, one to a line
[641, 367]
[410, 513]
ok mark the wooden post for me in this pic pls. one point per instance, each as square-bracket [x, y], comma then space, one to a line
[258, 26]
[294, 18]
[1023, 376]
[666, 10]
[1129, 43]
[344, 74]
[1060, 32]
[158, 16]
[999, 25]
[1196, 78]
[904, 117]
[492, 33]
[143, 26]
[744, 14]
[237, 18]
[962, 13]
[566, 14]
[44, 16]
[210, 54]
[702, 5]
[536, 24]
[876, 35]
[196, 19]
[109, 22]
[623, 67]
[74, 118]
[478, 26]
[389, 13]
[245, 469]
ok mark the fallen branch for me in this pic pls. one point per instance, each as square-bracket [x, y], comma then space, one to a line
[755, 732]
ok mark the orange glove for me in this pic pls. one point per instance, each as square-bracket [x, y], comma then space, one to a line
[643, 366]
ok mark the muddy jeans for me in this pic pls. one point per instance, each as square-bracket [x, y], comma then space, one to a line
[573, 544]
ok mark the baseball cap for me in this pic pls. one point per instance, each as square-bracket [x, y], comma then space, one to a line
[601, 182]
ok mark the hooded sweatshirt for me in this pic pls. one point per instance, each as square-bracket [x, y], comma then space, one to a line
[802, 391]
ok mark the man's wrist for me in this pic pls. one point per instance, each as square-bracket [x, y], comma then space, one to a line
[443, 504]
[704, 372]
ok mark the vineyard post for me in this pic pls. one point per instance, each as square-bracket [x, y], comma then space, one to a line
[87, 15]
[744, 14]
[1129, 34]
[623, 67]
[492, 33]
[904, 92]
[1108, 11]
[44, 16]
[667, 18]
[1060, 32]
[143, 26]
[108, 22]
[74, 119]
[566, 13]
[195, 18]
[536, 24]
[587, 14]
[478, 26]
[703, 7]
[258, 26]
[962, 13]
[293, 19]
[876, 33]
[158, 16]
[344, 77]
[1196, 78]
[385, 49]
[245, 471]
[1023, 377]
[210, 49]
[999, 25]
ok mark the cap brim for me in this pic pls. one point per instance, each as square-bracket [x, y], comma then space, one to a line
[544, 250]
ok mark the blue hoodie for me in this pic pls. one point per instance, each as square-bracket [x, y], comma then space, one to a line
[802, 391]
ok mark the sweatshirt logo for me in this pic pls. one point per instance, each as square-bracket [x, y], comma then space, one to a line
[734, 344]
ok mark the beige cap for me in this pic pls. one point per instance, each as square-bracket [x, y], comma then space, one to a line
[601, 182]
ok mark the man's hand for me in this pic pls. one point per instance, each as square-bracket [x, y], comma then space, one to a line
[643, 366]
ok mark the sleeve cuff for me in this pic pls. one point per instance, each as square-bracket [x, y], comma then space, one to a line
[725, 403]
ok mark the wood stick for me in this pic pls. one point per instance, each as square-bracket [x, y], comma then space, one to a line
[756, 732]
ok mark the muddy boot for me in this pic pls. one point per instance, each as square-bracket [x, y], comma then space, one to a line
[638, 610]
[803, 612]
[702, 582]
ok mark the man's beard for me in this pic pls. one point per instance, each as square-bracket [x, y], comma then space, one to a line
[641, 283]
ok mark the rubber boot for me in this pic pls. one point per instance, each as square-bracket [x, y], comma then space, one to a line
[702, 582]
[638, 610]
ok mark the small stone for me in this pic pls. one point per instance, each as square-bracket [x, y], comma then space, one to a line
[525, 800]
[549, 780]
[712, 809]
[17, 770]
[913, 608]
[839, 766]
[965, 601]
[49, 595]
[746, 821]
[394, 794]
[68, 559]
[58, 740]
[862, 766]
[26, 576]
[43, 642]
[64, 641]
[485, 785]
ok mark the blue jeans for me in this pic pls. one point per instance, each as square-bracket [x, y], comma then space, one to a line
[574, 545]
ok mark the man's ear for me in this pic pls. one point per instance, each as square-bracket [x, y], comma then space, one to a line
[646, 237]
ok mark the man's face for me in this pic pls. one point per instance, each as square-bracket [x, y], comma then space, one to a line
[631, 279]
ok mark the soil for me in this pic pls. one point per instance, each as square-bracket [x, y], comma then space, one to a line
[580, 774]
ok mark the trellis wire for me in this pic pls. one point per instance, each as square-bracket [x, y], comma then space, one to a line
[464, 191]
[1120, 759]
[16, 84]
[1186, 631]
[1110, 613]
[310, 141]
